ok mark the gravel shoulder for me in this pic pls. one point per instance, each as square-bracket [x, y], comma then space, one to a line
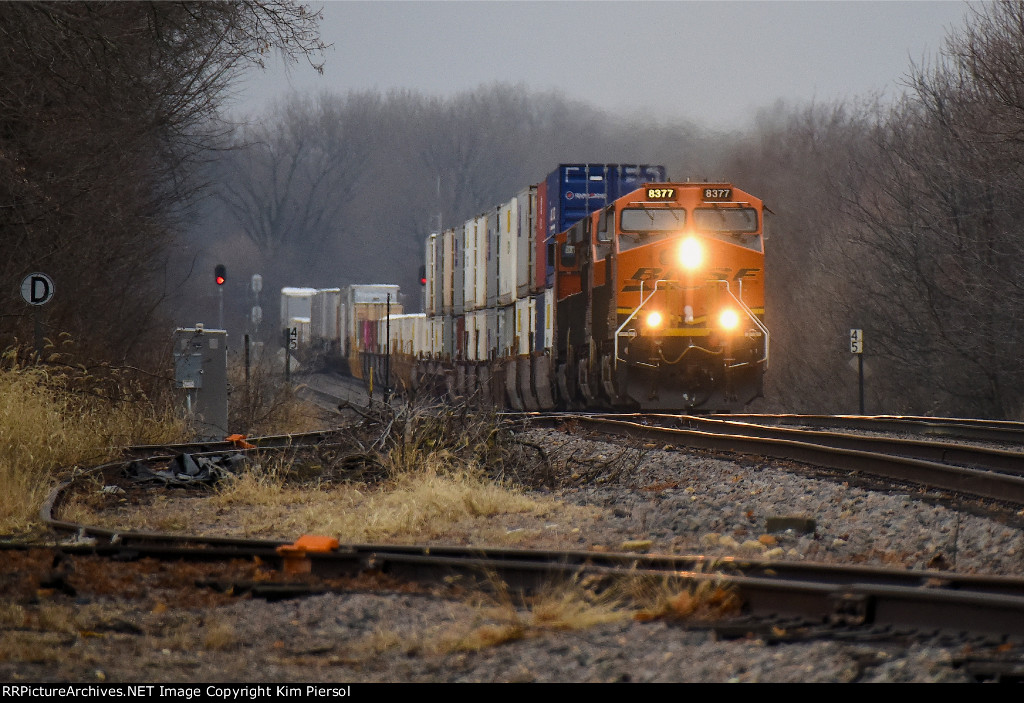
[678, 502]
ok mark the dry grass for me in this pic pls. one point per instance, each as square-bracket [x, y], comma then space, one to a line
[219, 636]
[52, 420]
[677, 599]
[422, 504]
[400, 475]
[563, 607]
[498, 617]
[48, 648]
[266, 405]
[495, 618]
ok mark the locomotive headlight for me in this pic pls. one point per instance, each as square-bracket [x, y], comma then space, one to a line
[654, 319]
[729, 319]
[691, 253]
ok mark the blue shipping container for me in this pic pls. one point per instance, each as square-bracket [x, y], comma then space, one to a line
[575, 190]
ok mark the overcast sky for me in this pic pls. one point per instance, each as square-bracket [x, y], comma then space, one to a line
[714, 62]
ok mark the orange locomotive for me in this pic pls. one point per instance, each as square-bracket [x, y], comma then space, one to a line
[659, 301]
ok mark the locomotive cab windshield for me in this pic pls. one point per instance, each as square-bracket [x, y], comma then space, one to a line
[736, 225]
[643, 225]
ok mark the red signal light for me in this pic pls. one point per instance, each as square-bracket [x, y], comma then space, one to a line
[220, 274]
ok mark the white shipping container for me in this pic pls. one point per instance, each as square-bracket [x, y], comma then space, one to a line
[398, 346]
[296, 302]
[433, 291]
[508, 249]
[436, 337]
[469, 239]
[447, 271]
[325, 315]
[525, 241]
[400, 331]
[458, 271]
[476, 322]
[410, 330]
[492, 333]
[421, 347]
[492, 258]
[526, 324]
[480, 265]
[506, 331]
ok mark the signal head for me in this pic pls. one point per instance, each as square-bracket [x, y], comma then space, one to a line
[220, 274]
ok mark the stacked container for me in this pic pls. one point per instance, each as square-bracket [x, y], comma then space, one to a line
[489, 283]
[325, 317]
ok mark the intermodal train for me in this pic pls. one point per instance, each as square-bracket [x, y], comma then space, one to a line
[602, 286]
[336, 328]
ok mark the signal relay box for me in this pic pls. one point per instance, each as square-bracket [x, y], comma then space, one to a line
[200, 369]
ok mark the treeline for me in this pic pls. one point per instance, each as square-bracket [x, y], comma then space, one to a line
[338, 189]
[906, 222]
[106, 109]
[899, 219]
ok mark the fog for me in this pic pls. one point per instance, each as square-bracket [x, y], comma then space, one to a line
[715, 63]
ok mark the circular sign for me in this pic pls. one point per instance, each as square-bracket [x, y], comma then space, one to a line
[37, 289]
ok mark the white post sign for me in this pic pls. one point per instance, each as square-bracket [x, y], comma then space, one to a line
[856, 341]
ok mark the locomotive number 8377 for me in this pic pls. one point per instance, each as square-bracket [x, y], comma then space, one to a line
[660, 301]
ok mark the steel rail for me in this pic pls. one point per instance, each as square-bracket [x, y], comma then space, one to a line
[1004, 460]
[220, 446]
[840, 595]
[966, 428]
[975, 482]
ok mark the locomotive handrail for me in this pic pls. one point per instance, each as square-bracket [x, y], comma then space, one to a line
[643, 301]
[728, 289]
[750, 313]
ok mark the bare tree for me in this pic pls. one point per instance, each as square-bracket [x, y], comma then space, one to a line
[104, 110]
[288, 181]
[939, 209]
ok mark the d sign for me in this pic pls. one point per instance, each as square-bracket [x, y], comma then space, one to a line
[37, 289]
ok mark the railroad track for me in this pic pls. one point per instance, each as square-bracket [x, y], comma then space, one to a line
[948, 427]
[846, 596]
[854, 596]
[978, 472]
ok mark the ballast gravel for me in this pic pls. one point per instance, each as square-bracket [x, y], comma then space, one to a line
[649, 498]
